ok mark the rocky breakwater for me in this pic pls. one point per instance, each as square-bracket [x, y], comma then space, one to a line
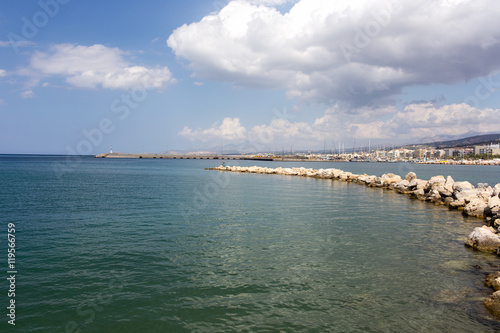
[481, 201]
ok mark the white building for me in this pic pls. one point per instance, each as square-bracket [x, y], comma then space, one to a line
[489, 150]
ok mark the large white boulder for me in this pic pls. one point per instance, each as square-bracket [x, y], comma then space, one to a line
[344, 175]
[389, 178]
[462, 186]
[434, 196]
[410, 176]
[401, 186]
[464, 190]
[449, 183]
[253, 169]
[419, 194]
[447, 189]
[457, 204]
[496, 190]
[336, 173]
[435, 182]
[368, 180]
[353, 177]
[417, 184]
[484, 193]
[493, 207]
[483, 239]
[475, 208]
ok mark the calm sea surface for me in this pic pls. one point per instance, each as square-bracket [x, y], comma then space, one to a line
[164, 246]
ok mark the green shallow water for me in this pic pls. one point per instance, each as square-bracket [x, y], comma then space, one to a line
[165, 246]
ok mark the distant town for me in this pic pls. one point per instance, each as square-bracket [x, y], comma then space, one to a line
[483, 154]
[480, 154]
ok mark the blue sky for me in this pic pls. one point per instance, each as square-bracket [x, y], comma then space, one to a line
[152, 76]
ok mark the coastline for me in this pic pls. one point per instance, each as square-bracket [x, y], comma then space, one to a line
[291, 158]
[481, 201]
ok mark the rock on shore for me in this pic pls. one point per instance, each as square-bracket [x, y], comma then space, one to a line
[484, 239]
[493, 280]
[493, 301]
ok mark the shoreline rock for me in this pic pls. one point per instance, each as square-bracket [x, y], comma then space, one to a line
[493, 304]
[484, 239]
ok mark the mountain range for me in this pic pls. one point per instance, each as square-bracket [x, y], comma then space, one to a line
[475, 140]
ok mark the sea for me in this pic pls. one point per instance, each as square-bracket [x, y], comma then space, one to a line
[159, 245]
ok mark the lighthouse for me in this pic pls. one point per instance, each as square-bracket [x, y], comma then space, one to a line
[111, 150]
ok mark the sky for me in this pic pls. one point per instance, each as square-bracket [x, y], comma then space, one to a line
[77, 77]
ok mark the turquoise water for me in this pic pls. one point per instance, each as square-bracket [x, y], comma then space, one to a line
[165, 246]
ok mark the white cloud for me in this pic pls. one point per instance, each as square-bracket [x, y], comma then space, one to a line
[230, 130]
[359, 51]
[97, 66]
[15, 44]
[428, 120]
[269, 2]
[3, 72]
[277, 133]
[28, 94]
[419, 121]
[416, 123]
[283, 131]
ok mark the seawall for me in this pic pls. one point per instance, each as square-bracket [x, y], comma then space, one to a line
[182, 156]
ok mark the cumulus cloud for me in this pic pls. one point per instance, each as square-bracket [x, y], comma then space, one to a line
[96, 66]
[416, 123]
[358, 52]
[230, 130]
[261, 137]
[279, 130]
[428, 120]
[3, 72]
[283, 130]
[28, 94]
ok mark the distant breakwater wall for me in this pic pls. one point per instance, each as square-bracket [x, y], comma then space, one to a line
[481, 201]
[181, 156]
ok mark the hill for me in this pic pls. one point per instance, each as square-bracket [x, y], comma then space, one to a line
[469, 141]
